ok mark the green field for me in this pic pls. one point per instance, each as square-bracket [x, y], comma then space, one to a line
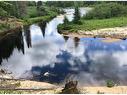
[99, 24]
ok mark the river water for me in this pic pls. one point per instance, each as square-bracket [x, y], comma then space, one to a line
[55, 58]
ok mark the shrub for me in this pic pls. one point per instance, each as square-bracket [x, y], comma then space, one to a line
[3, 13]
[107, 10]
[110, 83]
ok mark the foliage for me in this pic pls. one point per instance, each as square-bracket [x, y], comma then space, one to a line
[98, 24]
[5, 9]
[42, 11]
[31, 3]
[3, 12]
[66, 24]
[110, 83]
[31, 12]
[77, 16]
[107, 10]
[29, 21]
[60, 3]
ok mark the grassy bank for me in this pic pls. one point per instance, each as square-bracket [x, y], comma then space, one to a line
[38, 19]
[13, 24]
[94, 24]
[31, 17]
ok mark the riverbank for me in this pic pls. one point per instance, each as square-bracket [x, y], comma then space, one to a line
[12, 23]
[113, 28]
[116, 32]
[33, 87]
[9, 85]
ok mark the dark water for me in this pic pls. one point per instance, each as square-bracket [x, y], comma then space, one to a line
[48, 56]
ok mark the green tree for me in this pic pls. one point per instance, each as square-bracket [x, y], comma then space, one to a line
[3, 13]
[66, 23]
[5, 8]
[22, 8]
[39, 5]
[107, 10]
[77, 16]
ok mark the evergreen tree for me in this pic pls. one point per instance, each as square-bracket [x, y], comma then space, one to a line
[65, 24]
[39, 4]
[77, 16]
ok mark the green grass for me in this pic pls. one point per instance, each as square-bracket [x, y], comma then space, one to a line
[98, 24]
[32, 15]
[38, 19]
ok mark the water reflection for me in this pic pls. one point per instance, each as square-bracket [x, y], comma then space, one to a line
[88, 60]
[55, 58]
[8, 43]
[27, 36]
[42, 26]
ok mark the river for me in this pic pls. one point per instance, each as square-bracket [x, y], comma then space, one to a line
[55, 58]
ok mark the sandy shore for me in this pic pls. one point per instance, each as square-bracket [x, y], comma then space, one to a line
[47, 88]
[106, 90]
[116, 32]
[83, 90]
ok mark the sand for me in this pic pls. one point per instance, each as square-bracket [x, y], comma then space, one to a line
[116, 32]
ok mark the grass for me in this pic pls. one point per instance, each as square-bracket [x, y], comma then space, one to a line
[29, 21]
[32, 16]
[10, 92]
[94, 24]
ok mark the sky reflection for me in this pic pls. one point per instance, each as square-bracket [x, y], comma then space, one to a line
[55, 58]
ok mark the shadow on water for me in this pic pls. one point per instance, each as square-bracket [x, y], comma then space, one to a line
[8, 43]
[27, 36]
[42, 26]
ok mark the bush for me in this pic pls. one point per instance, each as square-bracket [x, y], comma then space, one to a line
[107, 10]
[3, 13]
[62, 27]
[110, 83]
